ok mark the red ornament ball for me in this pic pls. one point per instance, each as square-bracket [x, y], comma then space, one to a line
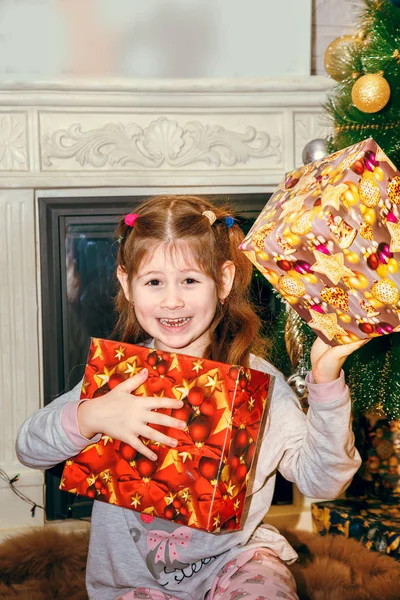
[241, 473]
[91, 492]
[115, 380]
[373, 261]
[103, 490]
[196, 396]
[208, 467]
[98, 484]
[240, 442]
[182, 413]
[146, 467]
[127, 452]
[285, 265]
[169, 512]
[152, 359]
[366, 327]
[200, 428]
[234, 462]
[208, 407]
[243, 381]
[233, 373]
[358, 167]
[162, 367]
[184, 510]
[176, 503]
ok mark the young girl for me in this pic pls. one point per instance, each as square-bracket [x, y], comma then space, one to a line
[184, 288]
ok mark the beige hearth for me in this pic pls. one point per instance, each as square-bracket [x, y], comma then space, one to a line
[70, 139]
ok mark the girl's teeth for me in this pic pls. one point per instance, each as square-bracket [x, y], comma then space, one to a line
[174, 322]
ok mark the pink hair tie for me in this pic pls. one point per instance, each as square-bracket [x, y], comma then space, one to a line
[130, 219]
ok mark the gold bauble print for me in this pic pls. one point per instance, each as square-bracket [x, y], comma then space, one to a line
[337, 57]
[291, 286]
[393, 190]
[385, 291]
[370, 93]
[303, 224]
[369, 192]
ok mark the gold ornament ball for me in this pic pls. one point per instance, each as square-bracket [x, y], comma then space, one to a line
[369, 192]
[385, 291]
[291, 286]
[393, 190]
[337, 57]
[370, 93]
[393, 265]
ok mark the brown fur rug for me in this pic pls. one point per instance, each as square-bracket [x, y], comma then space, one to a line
[45, 564]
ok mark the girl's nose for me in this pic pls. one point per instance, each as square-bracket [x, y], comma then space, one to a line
[172, 300]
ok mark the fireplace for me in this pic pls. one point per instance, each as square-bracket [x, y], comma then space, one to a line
[110, 143]
[77, 254]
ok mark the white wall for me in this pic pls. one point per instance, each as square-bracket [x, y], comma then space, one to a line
[156, 38]
[331, 18]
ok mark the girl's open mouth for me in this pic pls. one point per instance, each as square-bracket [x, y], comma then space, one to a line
[175, 323]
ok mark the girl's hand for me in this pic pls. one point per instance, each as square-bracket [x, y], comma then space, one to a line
[123, 416]
[327, 362]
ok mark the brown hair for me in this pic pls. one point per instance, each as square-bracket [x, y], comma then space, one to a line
[176, 220]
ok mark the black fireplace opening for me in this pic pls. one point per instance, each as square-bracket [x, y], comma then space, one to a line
[78, 253]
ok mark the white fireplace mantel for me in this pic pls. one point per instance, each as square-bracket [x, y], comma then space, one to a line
[125, 137]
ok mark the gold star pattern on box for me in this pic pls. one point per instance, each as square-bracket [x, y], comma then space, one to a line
[394, 230]
[292, 206]
[331, 195]
[332, 266]
[198, 365]
[181, 391]
[132, 368]
[136, 500]
[214, 383]
[326, 324]
[103, 378]
[98, 352]
[120, 353]
[174, 363]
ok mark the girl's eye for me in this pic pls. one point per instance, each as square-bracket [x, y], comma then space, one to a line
[190, 280]
[153, 282]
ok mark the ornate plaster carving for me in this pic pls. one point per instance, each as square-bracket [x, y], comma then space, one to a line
[13, 151]
[163, 142]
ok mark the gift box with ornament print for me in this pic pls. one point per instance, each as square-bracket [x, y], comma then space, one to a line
[329, 241]
[381, 456]
[375, 523]
[202, 482]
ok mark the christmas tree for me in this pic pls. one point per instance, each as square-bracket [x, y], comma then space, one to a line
[365, 103]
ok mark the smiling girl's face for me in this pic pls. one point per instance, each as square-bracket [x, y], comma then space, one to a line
[174, 300]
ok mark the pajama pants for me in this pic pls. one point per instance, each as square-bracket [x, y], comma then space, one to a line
[254, 575]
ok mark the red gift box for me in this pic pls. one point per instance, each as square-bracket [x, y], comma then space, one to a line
[200, 483]
[329, 241]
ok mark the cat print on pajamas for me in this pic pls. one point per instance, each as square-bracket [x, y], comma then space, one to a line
[239, 573]
[256, 579]
[142, 593]
[163, 544]
[237, 594]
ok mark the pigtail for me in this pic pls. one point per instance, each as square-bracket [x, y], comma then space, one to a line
[235, 330]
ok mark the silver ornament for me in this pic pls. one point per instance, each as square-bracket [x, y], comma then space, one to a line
[298, 384]
[314, 150]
